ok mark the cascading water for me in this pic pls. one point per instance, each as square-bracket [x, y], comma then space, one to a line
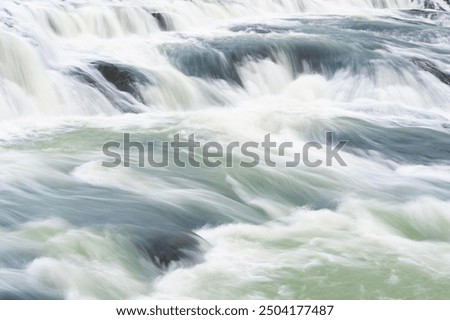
[77, 74]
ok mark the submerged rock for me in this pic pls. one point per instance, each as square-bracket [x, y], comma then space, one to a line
[117, 82]
[429, 4]
[124, 78]
[164, 248]
[162, 20]
[433, 69]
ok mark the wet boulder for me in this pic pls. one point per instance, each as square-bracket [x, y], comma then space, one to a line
[165, 248]
[124, 78]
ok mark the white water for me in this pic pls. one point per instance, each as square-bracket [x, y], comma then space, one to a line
[373, 72]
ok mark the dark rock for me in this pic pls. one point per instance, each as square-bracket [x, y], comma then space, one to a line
[433, 69]
[164, 248]
[430, 4]
[124, 78]
[118, 98]
[163, 21]
[119, 83]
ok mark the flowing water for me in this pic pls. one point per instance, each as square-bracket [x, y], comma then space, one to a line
[76, 74]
